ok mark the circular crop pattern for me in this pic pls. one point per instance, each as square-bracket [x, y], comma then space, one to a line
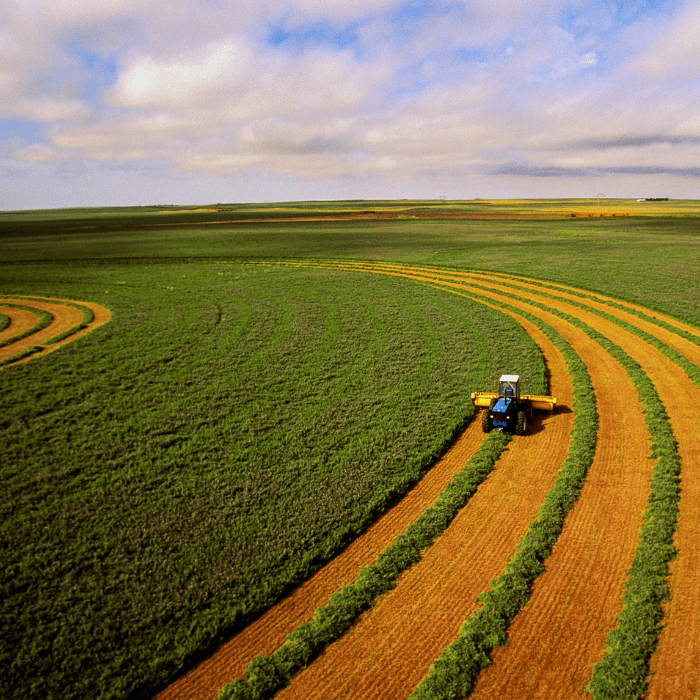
[38, 325]
[578, 546]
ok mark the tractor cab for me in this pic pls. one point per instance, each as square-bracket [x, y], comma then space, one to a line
[509, 386]
[508, 392]
[509, 411]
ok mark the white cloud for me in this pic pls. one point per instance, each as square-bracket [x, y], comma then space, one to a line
[675, 53]
[355, 89]
[184, 82]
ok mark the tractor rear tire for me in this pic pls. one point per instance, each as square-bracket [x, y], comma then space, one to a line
[486, 421]
[521, 425]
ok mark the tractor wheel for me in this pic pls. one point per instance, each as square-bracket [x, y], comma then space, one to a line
[521, 425]
[486, 421]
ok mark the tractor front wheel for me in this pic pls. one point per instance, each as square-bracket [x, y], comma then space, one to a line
[486, 421]
[521, 425]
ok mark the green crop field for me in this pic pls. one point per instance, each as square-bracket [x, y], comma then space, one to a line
[172, 474]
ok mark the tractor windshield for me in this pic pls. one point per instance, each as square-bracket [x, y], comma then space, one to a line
[508, 390]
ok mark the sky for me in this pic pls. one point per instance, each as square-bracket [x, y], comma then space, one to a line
[137, 102]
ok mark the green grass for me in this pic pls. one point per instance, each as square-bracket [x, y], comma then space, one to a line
[145, 466]
[228, 431]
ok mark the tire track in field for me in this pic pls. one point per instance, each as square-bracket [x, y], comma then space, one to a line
[67, 317]
[269, 631]
[611, 384]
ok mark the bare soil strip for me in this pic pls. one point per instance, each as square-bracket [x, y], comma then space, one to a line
[20, 321]
[65, 316]
[268, 632]
[390, 649]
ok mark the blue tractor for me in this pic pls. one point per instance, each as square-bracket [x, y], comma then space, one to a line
[509, 410]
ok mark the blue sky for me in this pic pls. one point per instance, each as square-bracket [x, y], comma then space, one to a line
[110, 102]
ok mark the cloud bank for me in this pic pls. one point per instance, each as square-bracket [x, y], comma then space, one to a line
[148, 102]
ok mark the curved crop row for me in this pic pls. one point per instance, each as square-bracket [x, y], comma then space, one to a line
[17, 328]
[626, 667]
[59, 321]
[266, 675]
[638, 360]
[523, 450]
[581, 341]
[644, 395]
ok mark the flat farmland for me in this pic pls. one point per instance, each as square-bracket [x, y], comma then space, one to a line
[264, 475]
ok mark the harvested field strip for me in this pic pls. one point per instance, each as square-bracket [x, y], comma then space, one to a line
[658, 335]
[20, 321]
[640, 311]
[61, 321]
[675, 666]
[268, 632]
[640, 620]
[43, 320]
[388, 652]
[657, 600]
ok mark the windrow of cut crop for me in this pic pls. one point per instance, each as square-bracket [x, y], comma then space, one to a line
[45, 320]
[4, 322]
[624, 671]
[268, 632]
[454, 673]
[266, 675]
[669, 323]
[689, 367]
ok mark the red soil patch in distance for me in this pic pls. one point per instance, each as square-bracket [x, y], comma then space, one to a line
[388, 652]
[268, 632]
[20, 321]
